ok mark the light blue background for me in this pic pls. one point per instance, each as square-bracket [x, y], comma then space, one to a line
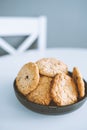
[67, 19]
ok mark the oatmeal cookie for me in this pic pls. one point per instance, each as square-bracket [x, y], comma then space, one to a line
[51, 66]
[64, 91]
[41, 95]
[79, 81]
[27, 78]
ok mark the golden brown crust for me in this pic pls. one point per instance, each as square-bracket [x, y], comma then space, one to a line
[27, 78]
[79, 81]
[64, 90]
[41, 95]
[51, 66]
[48, 80]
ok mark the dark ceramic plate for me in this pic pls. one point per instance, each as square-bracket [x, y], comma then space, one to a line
[52, 109]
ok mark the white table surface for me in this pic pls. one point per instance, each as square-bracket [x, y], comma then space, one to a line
[14, 116]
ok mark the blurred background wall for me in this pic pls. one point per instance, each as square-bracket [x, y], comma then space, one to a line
[67, 19]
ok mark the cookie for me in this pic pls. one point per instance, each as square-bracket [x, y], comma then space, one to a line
[64, 90]
[27, 78]
[79, 81]
[51, 66]
[41, 95]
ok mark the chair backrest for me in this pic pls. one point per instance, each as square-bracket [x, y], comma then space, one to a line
[33, 27]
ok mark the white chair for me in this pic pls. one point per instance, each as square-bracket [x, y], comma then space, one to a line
[33, 27]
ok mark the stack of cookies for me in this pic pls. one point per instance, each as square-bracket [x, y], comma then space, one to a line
[48, 80]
